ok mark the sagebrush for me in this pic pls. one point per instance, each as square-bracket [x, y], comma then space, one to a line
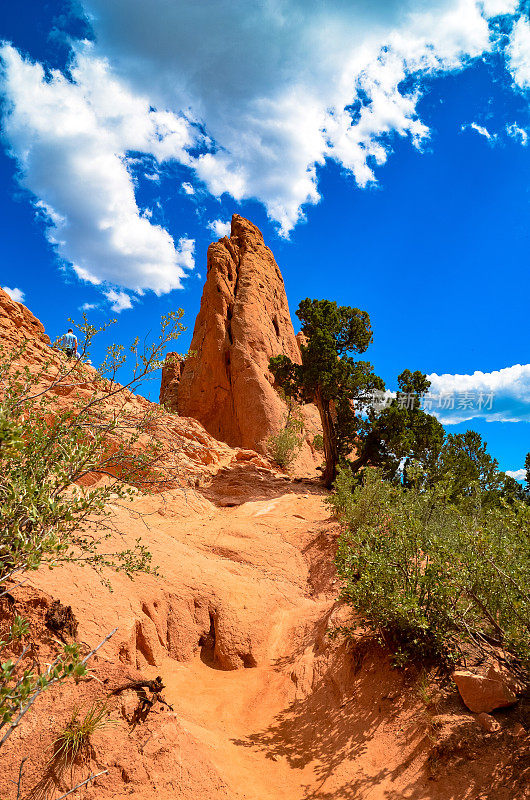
[429, 574]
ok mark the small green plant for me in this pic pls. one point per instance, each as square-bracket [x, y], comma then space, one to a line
[284, 446]
[19, 628]
[424, 690]
[75, 737]
[318, 442]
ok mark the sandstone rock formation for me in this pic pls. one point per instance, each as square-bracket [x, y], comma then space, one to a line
[171, 375]
[18, 324]
[243, 321]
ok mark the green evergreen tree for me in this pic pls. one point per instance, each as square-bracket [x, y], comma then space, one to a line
[343, 391]
[402, 432]
[340, 387]
[465, 457]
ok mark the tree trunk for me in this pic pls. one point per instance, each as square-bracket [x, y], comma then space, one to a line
[360, 462]
[330, 440]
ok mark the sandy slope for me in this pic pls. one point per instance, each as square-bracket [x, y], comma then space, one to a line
[266, 705]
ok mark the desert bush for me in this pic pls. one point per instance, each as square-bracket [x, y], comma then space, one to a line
[318, 442]
[75, 736]
[46, 518]
[429, 574]
[284, 446]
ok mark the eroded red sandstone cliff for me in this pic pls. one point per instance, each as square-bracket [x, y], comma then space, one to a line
[243, 321]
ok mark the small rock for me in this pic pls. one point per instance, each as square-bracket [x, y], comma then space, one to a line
[128, 704]
[518, 731]
[481, 693]
[488, 723]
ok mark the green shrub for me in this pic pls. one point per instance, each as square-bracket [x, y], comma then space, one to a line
[429, 574]
[318, 442]
[284, 446]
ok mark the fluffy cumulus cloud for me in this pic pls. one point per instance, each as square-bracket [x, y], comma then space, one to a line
[494, 8]
[250, 98]
[518, 52]
[291, 83]
[219, 228]
[71, 139]
[15, 294]
[518, 474]
[502, 395]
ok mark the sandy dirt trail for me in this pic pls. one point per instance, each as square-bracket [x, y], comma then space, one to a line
[269, 736]
[316, 719]
[227, 709]
[222, 710]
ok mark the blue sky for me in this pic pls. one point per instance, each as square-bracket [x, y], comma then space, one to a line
[383, 149]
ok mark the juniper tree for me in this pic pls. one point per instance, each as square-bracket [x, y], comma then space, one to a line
[402, 432]
[343, 391]
[341, 387]
[466, 458]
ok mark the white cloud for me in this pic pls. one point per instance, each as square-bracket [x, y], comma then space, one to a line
[494, 8]
[70, 140]
[518, 474]
[289, 84]
[219, 228]
[15, 294]
[519, 134]
[509, 389]
[518, 53]
[187, 251]
[491, 137]
[88, 306]
[294, 82]
[120, 300]
[253, 112]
